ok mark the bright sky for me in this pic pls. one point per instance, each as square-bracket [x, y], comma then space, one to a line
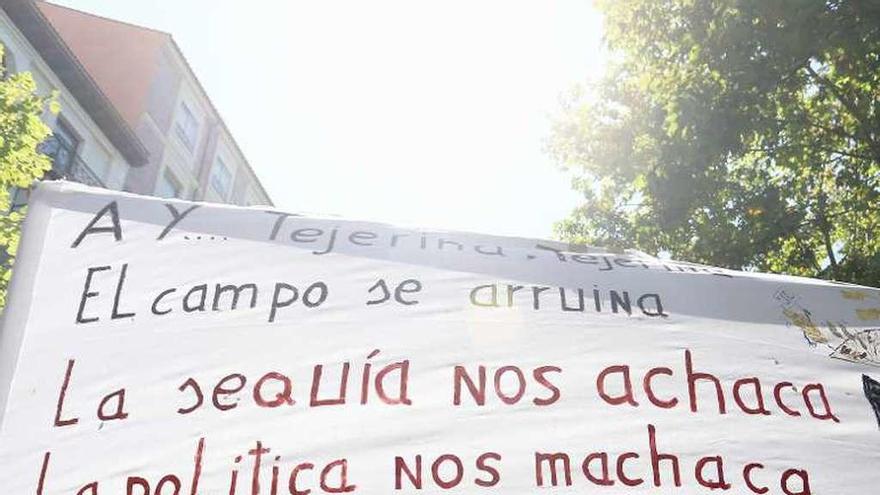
[430, 114]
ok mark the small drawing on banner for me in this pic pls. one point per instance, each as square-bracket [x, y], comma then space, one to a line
[861, 346]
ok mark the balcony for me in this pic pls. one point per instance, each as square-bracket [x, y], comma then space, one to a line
[66, 164]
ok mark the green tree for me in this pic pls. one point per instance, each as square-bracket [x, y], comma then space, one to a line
[738, 133]
[21, 132]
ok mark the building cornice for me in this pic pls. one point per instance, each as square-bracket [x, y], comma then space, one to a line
[61, 60]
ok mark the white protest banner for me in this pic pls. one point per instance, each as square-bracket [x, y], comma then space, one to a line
[161, 347]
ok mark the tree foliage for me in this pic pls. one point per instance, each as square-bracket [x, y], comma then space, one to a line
[21, 163]
[738, 133]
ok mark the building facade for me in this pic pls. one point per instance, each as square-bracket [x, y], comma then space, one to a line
[134, 116]
[91, 143]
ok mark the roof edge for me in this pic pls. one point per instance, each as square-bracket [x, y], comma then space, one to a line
[40, 33]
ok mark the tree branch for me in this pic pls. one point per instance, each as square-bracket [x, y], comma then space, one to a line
[825, 229]
[850, 106]
[768, 149]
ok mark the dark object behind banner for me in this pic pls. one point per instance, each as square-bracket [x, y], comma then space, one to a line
[872, 392]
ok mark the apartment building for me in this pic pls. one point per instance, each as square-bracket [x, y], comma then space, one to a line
[91, 143]
[134, 116]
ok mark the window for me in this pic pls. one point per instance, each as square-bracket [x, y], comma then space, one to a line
[7, 62]
[221, 178]
[168, 186]
[248, 196]
[253, 198]
[187, 127]
[61, 147]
